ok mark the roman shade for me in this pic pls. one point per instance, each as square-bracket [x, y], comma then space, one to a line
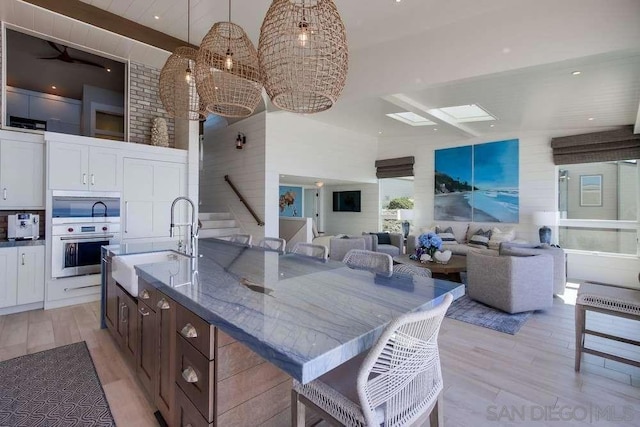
[620, 144]
[395, 168]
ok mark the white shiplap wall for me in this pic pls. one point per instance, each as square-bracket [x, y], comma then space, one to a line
[538, 191]
[367, 220]
[245, 167]
[299, 146]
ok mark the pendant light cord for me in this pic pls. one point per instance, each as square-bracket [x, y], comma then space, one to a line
[229, 45]
[189, 22]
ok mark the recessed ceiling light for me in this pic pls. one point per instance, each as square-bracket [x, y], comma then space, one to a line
[108, 70]
[591, 119]
[435, 129]
[379, 132]
[398, 1]
[156, 17]
[492, 126]
[411, 119]
[506, 50]
[54, 87]
[576, 73]
[464, 113]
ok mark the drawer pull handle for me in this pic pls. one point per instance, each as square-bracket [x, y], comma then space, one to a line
[163, 304]
[144, 294]
[189, 331]
[190, 375]
[141, 311]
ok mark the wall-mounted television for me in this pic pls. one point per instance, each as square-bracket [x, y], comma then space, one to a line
[346, 201]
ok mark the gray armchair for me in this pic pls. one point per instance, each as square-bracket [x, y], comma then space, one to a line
[559, 260]
[396, 247]
[511, 283]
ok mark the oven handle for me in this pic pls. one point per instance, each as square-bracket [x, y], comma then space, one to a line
[70, 256]
[96, 238]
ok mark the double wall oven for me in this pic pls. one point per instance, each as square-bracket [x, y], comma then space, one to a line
[81, 224]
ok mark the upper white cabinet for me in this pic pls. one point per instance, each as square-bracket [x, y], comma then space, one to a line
[149, 188]
[82, 167]
[21, 173]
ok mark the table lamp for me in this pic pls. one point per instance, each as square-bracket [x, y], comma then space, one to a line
[405, 215]
[544, 219]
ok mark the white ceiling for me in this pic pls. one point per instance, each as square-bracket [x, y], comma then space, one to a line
[513, 57]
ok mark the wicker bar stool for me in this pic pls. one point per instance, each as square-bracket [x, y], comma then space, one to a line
[273, 244]
[376, 262]
[395, 384]
[612, 300]
[311, 250]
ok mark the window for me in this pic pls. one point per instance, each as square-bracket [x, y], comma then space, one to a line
[598, 204]
[396, 201]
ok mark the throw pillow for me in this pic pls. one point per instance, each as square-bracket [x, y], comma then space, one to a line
[446, 235]
[480, 239]
[383, 238]
[501, 235]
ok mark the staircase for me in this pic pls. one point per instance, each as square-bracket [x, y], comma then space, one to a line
[217, 225]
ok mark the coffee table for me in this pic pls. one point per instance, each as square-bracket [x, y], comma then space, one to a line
[449, 271]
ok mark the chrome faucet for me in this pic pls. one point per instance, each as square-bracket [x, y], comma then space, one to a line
[191, 248]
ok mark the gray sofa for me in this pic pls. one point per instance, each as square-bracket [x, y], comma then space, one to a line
[559, 260]
[511, 283]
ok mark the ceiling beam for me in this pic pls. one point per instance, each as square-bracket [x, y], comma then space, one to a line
[100, 18]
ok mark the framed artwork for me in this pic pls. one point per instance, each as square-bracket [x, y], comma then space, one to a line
[479, 183]
[496, 182]
[290, 201]
[590, 190]
[453, 184]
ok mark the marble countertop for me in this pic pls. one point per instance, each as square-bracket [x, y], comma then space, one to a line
[141, 248]
[301, 314]
[17, 243]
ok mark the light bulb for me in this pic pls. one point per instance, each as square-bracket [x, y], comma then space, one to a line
[303, 35]
[187, 75]
[228, 62]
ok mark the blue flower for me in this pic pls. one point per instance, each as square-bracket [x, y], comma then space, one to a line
[430, 240]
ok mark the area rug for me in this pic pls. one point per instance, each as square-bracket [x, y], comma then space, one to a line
[467, 310]
[57, 387]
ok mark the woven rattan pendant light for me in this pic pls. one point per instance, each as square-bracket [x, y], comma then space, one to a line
[178, 84]
[303, 54]
[227, 75]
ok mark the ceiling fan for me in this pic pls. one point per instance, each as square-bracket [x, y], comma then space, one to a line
[65, 57]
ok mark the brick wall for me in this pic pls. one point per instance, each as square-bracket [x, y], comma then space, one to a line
[3, 222]
[145, 104]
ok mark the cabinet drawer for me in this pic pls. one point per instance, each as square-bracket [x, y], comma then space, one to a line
[148, 294]
[187, 414]
[196, 331]
[195, 376]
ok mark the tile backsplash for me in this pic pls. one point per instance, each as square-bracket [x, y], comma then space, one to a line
[3, 221]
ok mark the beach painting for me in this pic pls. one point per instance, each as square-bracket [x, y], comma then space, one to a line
[290, 201]
[496, 182]
[453, 184]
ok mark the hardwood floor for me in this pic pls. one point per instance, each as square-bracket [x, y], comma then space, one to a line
[491, 378]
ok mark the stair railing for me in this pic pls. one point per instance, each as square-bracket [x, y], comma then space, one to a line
[244, 201]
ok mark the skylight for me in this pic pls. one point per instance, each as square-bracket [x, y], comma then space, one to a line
[411, 119]
[465, 113]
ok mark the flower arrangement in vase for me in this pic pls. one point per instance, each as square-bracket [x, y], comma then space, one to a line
[428, 244]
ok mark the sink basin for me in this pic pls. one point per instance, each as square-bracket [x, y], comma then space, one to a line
[124, 272]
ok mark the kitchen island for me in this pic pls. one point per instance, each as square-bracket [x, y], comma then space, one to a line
[302, 315]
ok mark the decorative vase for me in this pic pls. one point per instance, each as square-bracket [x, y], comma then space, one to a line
[159, 132]
[442, 257]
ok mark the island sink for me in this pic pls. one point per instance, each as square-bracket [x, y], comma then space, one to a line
[124, 271]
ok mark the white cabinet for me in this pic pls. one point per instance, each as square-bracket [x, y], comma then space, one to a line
[30, 268]
[149, 188]
[81, 167]
[8, 277]
[21, 275]
[21, 174]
